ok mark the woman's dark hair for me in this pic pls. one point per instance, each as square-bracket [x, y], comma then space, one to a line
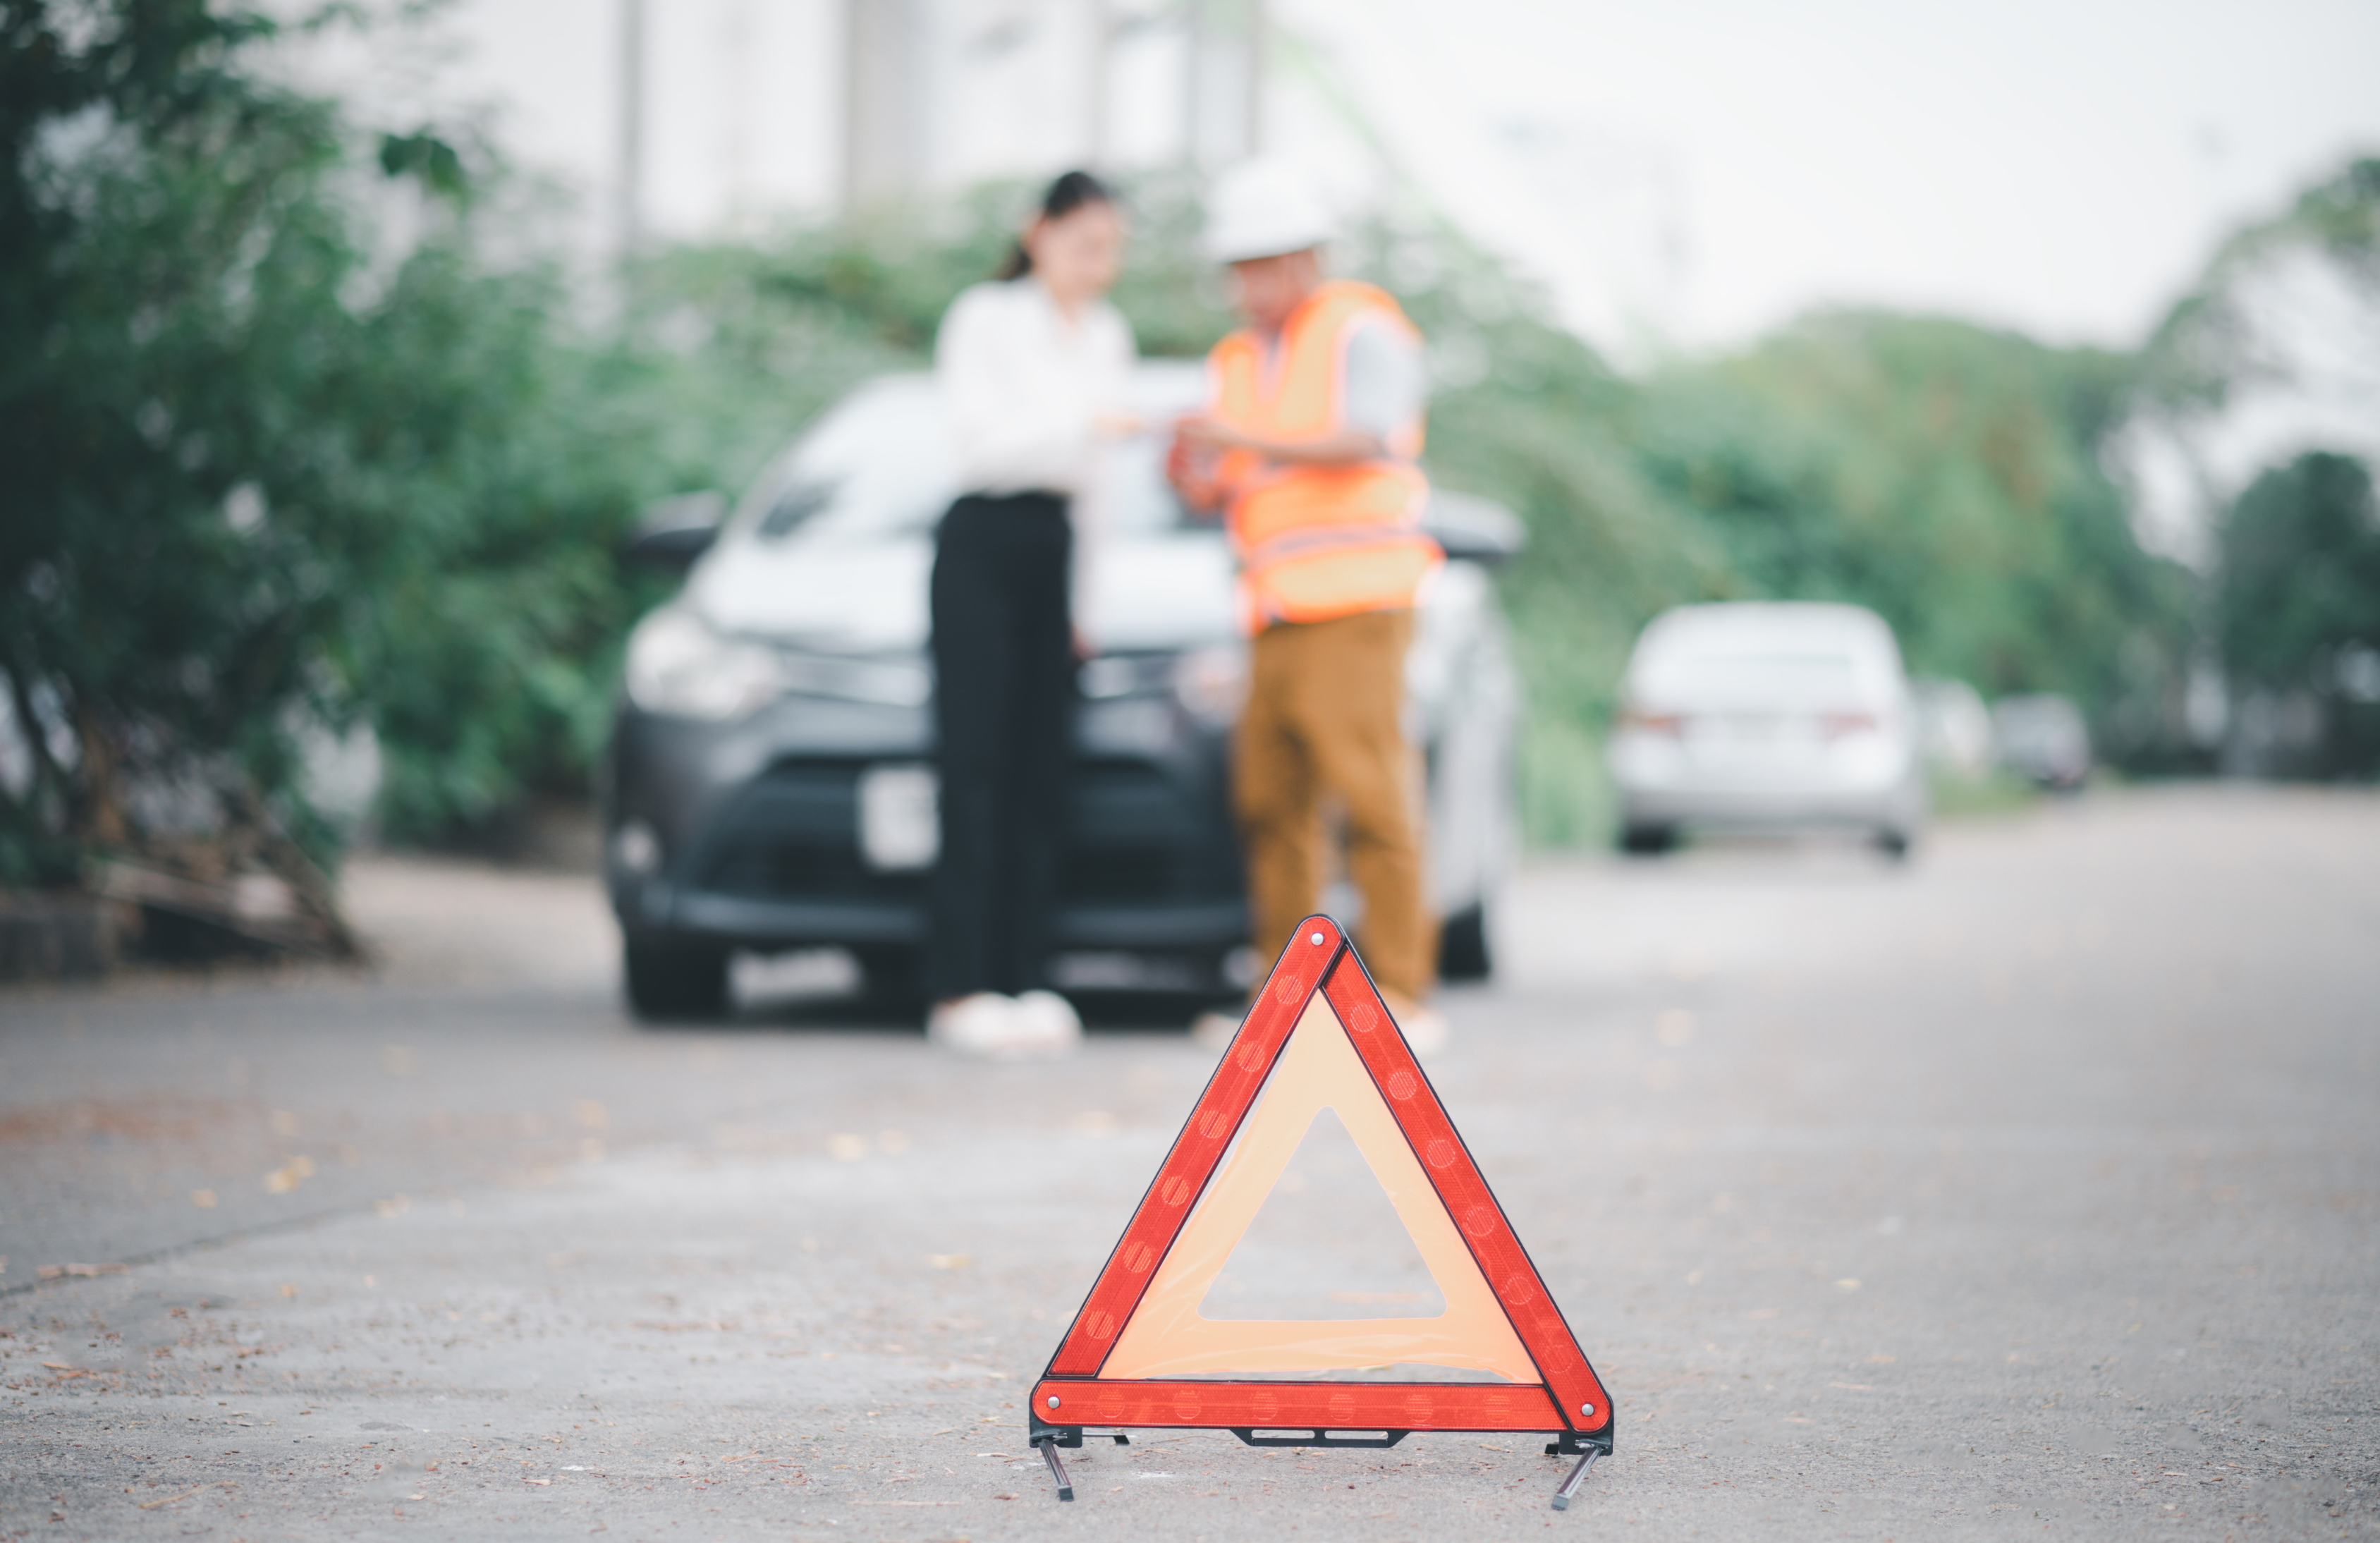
[1067, 194]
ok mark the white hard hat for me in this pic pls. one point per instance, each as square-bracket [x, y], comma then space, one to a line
[1264, 209]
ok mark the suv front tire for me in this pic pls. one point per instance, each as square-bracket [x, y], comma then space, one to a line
[671, 979]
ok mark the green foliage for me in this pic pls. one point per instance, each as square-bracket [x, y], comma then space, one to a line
[262, 474]
[1525, 412]
[2300, 575]
[164, 265]
[510, 463]
[258, 480]
[2207, 347]
[1945, 475]
[2299, 595]
[757, 337]
[2281, 327]
[436, 163]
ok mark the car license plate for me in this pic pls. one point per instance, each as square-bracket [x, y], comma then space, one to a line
[900, 818]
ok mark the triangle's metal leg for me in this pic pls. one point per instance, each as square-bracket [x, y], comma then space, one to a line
[1577, 1476]
[1057, 1469]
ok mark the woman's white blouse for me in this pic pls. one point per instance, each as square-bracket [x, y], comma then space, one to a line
[1024, 388]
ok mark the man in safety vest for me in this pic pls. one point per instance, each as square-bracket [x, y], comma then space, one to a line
[1313, 421]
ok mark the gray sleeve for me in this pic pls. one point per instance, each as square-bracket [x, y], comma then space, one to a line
[1386, 383]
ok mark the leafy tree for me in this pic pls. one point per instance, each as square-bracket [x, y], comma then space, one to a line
[258, 478]
[1946, 474]
[769, 333]
[506, 463]
[167, 269]
[2225, 335]
[2299, 590]
[2276, 345]
[1526, 412]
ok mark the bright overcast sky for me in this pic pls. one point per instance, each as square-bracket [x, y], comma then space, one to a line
[1682, 173]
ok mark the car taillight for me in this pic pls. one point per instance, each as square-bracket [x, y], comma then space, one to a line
[1837, 725]
[1670, 723]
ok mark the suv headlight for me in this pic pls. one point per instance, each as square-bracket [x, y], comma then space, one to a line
[677, 666]
[1212, 683]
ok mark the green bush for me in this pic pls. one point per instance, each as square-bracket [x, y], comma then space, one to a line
[260, 479]
[2298, 600]
[175, 555]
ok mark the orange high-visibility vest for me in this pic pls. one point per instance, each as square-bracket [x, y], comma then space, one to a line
[1316, 542]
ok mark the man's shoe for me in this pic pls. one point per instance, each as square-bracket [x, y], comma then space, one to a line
[1425, 1029]
[1214, 1031]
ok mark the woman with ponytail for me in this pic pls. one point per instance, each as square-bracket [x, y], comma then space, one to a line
[1034, 370]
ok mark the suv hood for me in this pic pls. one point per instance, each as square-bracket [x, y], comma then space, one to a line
[1147, 593]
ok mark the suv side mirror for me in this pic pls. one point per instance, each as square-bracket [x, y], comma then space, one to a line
[675, 531]
[1474, 529]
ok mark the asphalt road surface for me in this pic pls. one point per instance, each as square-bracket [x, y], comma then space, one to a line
[2028, 1190]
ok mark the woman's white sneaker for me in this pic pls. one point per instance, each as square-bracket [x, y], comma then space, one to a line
[1424, 1030]
[1045, 1026]
[977, 1025]
[1423, 1026]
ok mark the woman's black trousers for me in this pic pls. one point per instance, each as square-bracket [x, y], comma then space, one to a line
[1004, 701]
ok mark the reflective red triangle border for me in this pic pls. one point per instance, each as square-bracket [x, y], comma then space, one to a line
[1571, 1401]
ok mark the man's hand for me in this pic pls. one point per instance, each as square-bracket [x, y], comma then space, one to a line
[1347, 447]
[1191, 469]
[1211, 434]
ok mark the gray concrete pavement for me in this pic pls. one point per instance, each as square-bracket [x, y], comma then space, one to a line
[2029, 1191]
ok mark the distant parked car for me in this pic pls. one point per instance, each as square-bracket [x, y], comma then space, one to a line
[1954, 727]
[769, 782]
[1768, 716]
[2043, 738]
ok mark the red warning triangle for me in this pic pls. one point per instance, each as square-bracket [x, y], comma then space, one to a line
[1139, 1353]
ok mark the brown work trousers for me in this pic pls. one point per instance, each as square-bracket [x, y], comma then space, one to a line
[1323, 719]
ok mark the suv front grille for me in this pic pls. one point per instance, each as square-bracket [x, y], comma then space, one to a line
[1132, 834]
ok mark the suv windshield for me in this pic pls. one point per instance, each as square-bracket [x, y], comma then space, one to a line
[877, 465]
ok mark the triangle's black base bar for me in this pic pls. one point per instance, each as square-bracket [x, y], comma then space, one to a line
[1047, 1439]
[1309, 1436]
[1068, 1435]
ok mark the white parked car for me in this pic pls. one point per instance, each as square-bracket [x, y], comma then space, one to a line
[1768, 716]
